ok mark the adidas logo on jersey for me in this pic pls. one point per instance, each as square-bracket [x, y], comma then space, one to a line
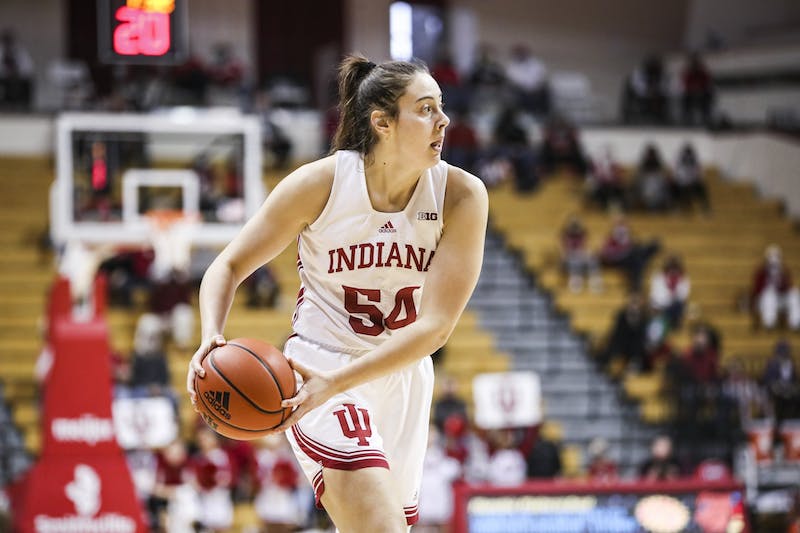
[387, 228]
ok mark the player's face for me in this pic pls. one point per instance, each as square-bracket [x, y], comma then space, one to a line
[421, 122]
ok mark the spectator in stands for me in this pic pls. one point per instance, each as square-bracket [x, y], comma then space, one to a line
[605, 181]
[449, 404]
[224, 68]
[579, 262]
[743, 399]
[661, 465]
[262, 288]
[281, 503]
[773, 291]
[695, 318]
[600, 466]
[506, 464]
[698, 91]
[651, 185]
[645, 94]
[783, 384]
[454, 94]
[669, 291]
[511, 145]
[527, 76]
[244, 467]
[461, 147]
[544, 459]
[561, 147]
[622, 251]
[212, 475]
[701, 359]
[687, 180]
[486, 71]
[486, 81]
[436, 490]
[628, 337]
[149, 369]
[192, 80]
[16, 73]
[273, 138]
[127, 272]
[173, 505]
[170, 301]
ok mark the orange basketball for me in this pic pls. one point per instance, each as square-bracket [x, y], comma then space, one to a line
[241, 393]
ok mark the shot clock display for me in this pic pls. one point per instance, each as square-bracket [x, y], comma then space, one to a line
[142, 31]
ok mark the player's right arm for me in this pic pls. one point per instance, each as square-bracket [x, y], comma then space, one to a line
[293, 204]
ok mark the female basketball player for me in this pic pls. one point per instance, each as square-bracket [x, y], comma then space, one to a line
[390, 247]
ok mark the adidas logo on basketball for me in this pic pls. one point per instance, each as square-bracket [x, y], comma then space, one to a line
[220, 402]
[387, 228]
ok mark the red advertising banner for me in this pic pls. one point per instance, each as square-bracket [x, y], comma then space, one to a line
[81, 482]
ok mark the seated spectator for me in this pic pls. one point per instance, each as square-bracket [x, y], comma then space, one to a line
[170, 301]
[620, 250]
[511, 146]
[743, 400]
[544, 459]
[579, 262]
[601, 467]
[444, 72]
[262, 288]
[449, 404]
[506, 464]
[628, 337]
[698, 91]
[16, 73]
[280, 501]
[605, 181]
[651, 185]
[773, 291]
[461, 144]
[561, 147]
[669, 291]
[149, 369]
[273, 138]
[644, 97]
[527, 76]
[701, 360]
[172, 505]
[687, 180]
[211, 472]
[695, 318]
[783, 384]
[661, 465]
[486, 80]
[436, 490]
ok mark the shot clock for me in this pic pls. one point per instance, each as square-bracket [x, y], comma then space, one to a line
[142, 31]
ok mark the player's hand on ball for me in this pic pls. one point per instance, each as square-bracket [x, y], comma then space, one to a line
[196, 364]
[317, 388]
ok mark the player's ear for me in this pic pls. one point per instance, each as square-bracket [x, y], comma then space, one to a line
[380, 122]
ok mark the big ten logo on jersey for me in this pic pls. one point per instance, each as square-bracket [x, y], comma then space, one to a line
[427, 215]
[355, 423]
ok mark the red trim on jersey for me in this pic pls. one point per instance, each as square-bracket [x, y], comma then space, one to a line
[412, 514]
[337, 459]
[300, 300]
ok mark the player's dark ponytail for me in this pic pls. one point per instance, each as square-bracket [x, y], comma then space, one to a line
[364, 87]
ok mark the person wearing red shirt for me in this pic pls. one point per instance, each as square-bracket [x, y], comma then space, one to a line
[698, 90]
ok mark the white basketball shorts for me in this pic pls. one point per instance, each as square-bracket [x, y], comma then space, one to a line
[383, 423]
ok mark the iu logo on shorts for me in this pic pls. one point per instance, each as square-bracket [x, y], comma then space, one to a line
[353, 425]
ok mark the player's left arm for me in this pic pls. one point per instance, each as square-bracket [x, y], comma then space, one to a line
[451, 278]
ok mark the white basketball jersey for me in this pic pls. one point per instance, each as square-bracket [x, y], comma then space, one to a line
[363, 271]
